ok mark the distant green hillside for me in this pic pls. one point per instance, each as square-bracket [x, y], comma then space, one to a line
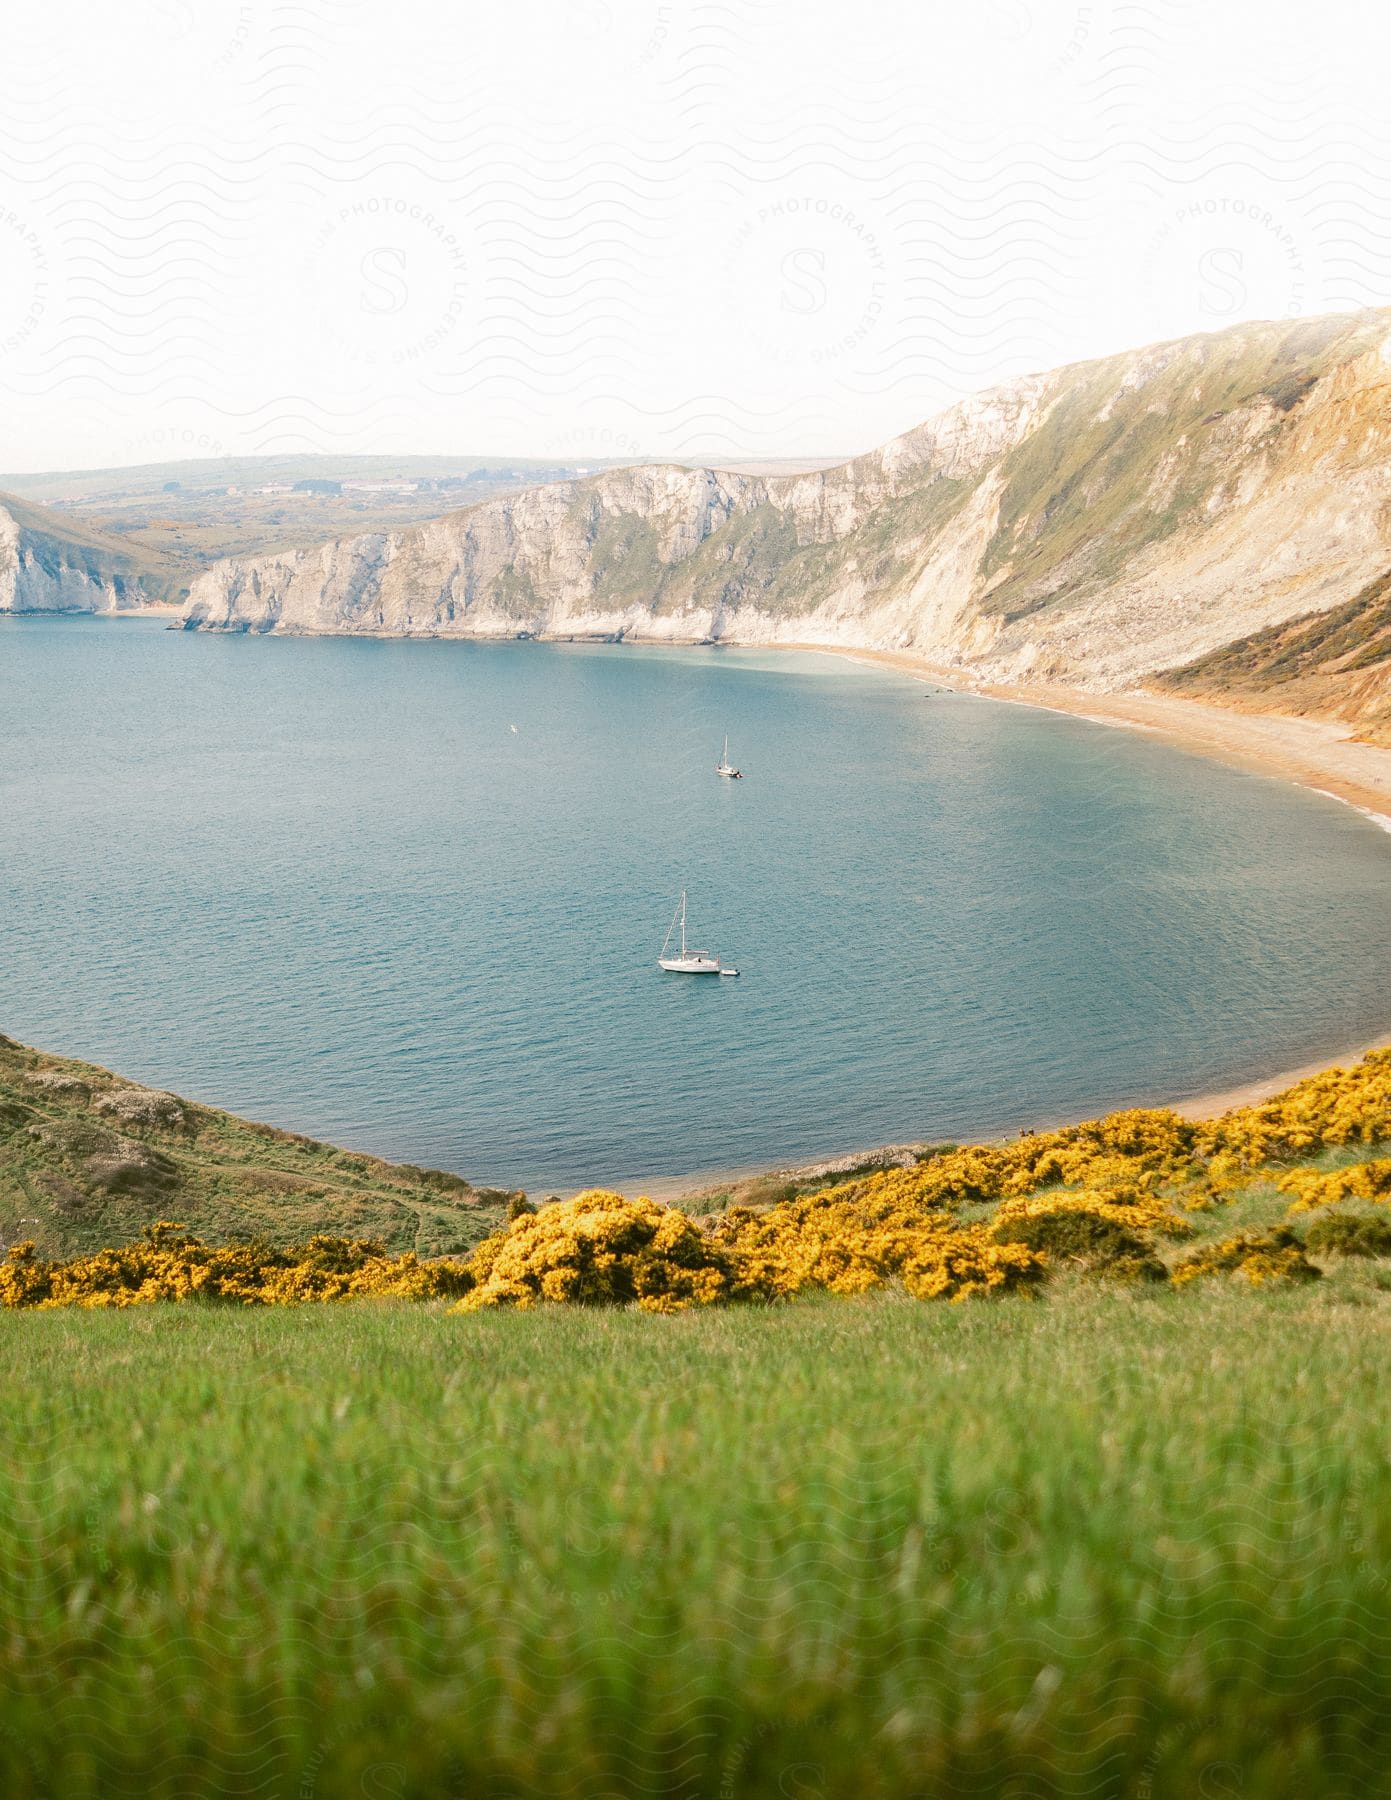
[88, 1159]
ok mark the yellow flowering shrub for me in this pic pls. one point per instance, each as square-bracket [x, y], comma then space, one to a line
[1360, 1181]
[170, 1265]
[1143, 1147]
[1091, 1197]
[1328, 1110]
[600, 1250]
[849, 1239]
[1132, 1209]
[1260, 1258]
[957, 1178]
[944, 1182]
[957, 1262]
[836, 1240]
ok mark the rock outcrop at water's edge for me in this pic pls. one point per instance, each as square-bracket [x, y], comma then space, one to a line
[1095, 526]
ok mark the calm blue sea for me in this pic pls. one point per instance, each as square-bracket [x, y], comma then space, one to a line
[326, 884]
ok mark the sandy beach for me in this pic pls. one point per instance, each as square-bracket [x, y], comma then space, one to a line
[1212, 1106]
[1317, 753]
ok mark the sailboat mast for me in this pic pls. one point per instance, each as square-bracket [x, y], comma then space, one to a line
[683, 921]
[679, 913]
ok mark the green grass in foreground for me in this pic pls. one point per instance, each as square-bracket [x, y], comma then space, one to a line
[1119, 1543]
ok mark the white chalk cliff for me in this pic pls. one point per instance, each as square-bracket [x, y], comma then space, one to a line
[52, 564]
[1093, 525]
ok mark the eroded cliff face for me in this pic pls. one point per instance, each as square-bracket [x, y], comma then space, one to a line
[1092, 525]
[46, 569]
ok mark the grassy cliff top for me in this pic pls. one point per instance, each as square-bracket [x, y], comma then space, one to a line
[1336, 662]
[89, 1160]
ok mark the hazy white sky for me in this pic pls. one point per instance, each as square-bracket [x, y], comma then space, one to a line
[700, 228]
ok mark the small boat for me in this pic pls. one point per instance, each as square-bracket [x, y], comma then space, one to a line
[687, 962]
[725, 767]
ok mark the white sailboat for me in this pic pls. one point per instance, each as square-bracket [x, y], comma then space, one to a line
[687, 962]
[725, 767]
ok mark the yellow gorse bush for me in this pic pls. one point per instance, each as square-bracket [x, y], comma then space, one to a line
[1360, 1181]
[947, 1228]
[959, 1262]
[1141, 1148]
[851, 1239]
[600, 1250]
[1130, 1208]
[1334, 1108]
[170, 1265]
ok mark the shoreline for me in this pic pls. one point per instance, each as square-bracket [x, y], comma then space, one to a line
[149, 609]
[1251, 1093]
[669, 1189]
[1319, 754]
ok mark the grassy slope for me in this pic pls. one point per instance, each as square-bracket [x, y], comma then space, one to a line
[82, 1167]
[57, 540]
[1115, 1544]
[1116, 1541]
[1335, 662]
[1084, 493]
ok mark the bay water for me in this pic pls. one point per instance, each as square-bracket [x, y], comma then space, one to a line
[408, 896]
